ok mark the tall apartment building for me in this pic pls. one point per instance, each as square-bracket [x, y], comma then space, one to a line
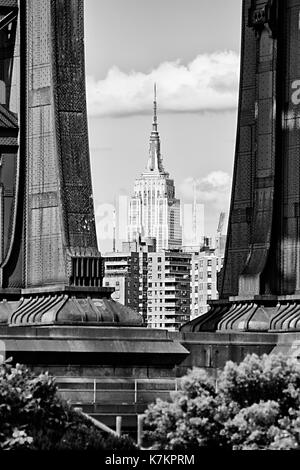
[168, 289]
[220, 241]
[154, 210]
[126, 272]
[205, 266]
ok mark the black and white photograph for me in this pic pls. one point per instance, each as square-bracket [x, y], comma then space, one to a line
[149, 228]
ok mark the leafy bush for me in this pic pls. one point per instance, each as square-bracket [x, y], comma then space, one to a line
[257, 406]
[33, 416]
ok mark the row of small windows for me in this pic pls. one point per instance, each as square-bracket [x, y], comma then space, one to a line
[117, 283]
[176, 260]
[209, 286]
[201, 276]
[204, 298]
[209, 262]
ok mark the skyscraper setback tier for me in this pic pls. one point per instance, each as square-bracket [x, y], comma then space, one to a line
[154, 211]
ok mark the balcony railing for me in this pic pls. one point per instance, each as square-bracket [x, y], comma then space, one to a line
[123, 391]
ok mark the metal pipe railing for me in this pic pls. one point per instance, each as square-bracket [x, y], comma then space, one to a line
[100, 425]
[134, 389]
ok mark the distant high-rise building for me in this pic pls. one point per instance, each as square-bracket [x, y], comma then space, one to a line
[168, 289]
[121, 271]
[193, 224]
[220, 242]
[154, 210]
[126, 272]
[204, 243]
[205, 266]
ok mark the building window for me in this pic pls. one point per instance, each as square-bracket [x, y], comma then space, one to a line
[208, 286]
[209, 262]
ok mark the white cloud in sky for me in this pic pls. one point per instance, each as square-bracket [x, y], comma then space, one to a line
[208, 83]
[213, 190]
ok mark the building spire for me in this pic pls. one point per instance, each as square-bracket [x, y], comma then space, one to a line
[154, 124]
[155, 162]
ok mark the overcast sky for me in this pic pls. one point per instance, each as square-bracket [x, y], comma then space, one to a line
[191, 49]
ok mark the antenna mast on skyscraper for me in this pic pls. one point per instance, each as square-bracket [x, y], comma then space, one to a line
[114, 227]
[155, 108]
[195, 212]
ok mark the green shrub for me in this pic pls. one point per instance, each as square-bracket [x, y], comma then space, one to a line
[33, 416]
[257, 406]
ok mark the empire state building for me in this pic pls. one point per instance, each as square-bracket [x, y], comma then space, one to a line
[154, 210]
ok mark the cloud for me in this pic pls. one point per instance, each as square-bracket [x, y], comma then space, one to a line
[208, 83]
[213, 190]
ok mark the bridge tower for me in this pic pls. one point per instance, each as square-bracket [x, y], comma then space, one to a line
[50, 266]
[259, 286]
